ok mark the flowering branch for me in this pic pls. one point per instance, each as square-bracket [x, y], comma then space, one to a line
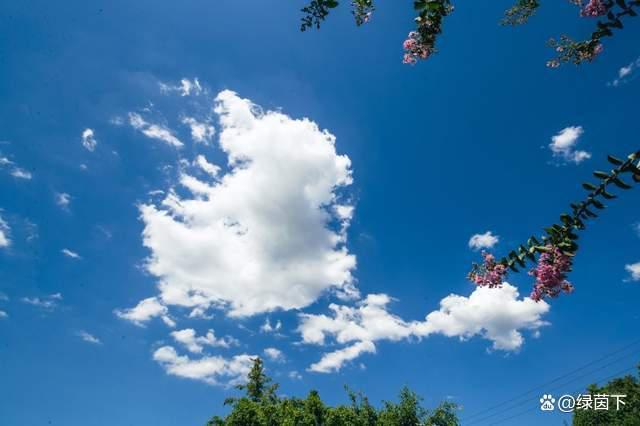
[558, 246]
[420, 43]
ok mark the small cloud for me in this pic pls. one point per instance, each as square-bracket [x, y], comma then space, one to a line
[626, 73]
[486, 240]
[144, 311]
[200, 132]
[19, 173]
[153, 131]
[195, 344]
[274, 354]
[206, 166]
[89, 338]
[268, 328]
[48, 303]
[88, 140]
[634, 270]
[71, 254]
[3, 314]
[5, 241]
[294, 375]
[563, 145]
[63, 200]
[185, 88]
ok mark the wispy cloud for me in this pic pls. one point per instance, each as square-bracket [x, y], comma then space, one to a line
[153, 131]
[70, 253]
[48, 302]
[20, 173]
[626, 73]
[563, 145]
[89, 338]
[185, 88]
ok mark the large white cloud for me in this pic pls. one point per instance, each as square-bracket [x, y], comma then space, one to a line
[269, 234]
[209, 369]
[496, 314]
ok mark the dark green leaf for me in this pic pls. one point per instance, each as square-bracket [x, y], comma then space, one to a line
[600, 175]
[589, 187]
[614, 160]
[620, 184]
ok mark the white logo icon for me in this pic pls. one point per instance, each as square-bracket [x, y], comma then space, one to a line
[546, 402]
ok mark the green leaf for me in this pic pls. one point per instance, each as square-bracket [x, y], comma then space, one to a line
[636, 178]
[600, 175]
[608, 196]
[597, 203]
[620, 183]
[589, 187]
[614, 160]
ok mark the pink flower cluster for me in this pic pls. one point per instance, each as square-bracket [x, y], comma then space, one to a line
[490, 273]
[550, 274]
[593, 8]
[415, 48]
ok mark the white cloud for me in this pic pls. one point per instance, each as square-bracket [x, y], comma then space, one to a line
[563, 145]
[196, 344]
[70, 253]
[5, 241]
[209, 369]
[185, 88]
[274, 354]
[626, 73]
[268, 328]
[486, 240]
[88, 140]
[89, 338]
[200, 132]
[3, 314]
[63, 200]
[206, 166]
[260, 238]
[48, 302]
[294, 375]
[153, 131]
[634, 270]
[333, 361]
[145, 311]
[494, 314]
[19, 173]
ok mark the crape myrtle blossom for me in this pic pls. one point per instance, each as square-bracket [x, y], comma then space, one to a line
[594, 8]
[551, 273]
[415, 48]
[489, 273]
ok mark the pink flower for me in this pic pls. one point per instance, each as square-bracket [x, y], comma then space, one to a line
[593, 8]
[490, 273]
[415, 48]
[551, 273]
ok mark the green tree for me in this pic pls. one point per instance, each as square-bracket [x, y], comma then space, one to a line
[627, 415]
[261, 406]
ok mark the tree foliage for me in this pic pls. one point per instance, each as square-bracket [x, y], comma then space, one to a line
[628, 415]
[261, 406]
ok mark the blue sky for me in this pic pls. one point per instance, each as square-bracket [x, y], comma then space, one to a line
[376, 222]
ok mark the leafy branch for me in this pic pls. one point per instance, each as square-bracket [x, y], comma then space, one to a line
[564, 234]
[557, 248]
